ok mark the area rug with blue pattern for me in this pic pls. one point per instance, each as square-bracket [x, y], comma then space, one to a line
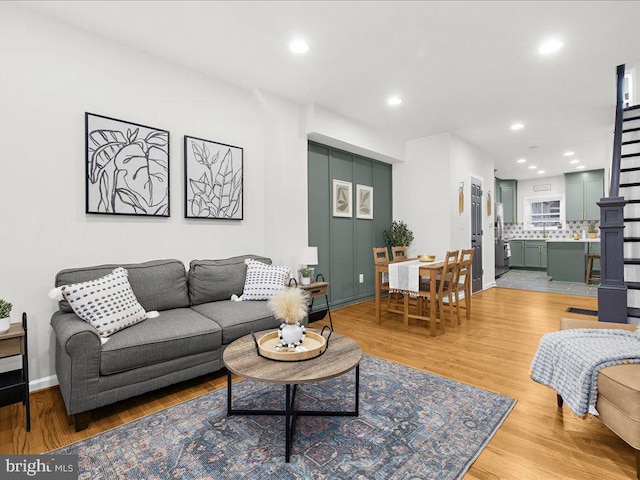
[412, 424]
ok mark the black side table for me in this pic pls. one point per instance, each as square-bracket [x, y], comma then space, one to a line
[14, 385]
[318, 289]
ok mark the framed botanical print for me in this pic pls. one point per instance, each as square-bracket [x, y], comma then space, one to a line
[364, 201]
[213, 180]
[127, 167]
[342, 203]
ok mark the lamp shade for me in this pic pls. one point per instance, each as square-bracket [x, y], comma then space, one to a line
[309, 256]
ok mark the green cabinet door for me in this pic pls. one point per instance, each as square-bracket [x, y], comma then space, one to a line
[574, 200]
[535, 254]
[508, 197]
[517, 253]
[593, 192]
[583, 191]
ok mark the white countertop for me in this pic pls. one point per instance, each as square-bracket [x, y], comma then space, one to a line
[568, 239]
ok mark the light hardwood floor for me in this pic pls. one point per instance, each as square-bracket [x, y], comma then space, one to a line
[492, 351]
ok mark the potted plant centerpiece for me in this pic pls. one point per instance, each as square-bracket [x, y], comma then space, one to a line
[5, 319]
[398, 235]
[290, 306]
[592, 231]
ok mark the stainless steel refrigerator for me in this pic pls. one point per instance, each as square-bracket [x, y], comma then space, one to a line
[502, 246]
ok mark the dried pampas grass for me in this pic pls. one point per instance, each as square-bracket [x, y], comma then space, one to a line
[289, 304]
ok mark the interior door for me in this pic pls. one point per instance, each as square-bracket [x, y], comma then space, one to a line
[476, 234]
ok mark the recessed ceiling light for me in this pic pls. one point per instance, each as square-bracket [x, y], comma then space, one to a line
[522, 160]
[568, 154]
[580, 167]
[299, 46]
[540, 172]
[517, 126]
[532, 167]
[575, 160]
[550, 46]
[394, 100]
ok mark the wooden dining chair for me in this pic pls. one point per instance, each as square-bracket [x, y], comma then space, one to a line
[445, 295]
[398, 253]
[463, 282]
[381, 254]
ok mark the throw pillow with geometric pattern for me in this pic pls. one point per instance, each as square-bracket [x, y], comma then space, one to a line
[263, 280]
[107, 303]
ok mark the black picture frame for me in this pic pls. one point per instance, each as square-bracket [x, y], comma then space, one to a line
[213, 180]
[126, 168]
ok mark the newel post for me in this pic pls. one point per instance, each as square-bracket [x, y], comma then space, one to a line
[612, 291]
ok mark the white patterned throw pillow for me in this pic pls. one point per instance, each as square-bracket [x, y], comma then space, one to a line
[263, 280]
[108, 303]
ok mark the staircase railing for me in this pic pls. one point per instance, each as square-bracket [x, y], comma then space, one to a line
[612, 292]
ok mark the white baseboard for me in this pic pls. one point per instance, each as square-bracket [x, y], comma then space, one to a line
[490, 285]
[40, 383]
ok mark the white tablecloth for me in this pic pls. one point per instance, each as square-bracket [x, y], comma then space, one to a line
[404, 277]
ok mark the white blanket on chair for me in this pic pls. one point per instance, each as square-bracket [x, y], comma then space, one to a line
[569, 361]
[404, 277]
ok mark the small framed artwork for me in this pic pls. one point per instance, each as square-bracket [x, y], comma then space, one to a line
[213, 180]
[127, 168]
[342, 203]
[364, 199]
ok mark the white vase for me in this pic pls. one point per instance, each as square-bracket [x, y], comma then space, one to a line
[5, 323]
[291, 334]
[305, 280]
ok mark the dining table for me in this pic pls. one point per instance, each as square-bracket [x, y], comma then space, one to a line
[427, 269]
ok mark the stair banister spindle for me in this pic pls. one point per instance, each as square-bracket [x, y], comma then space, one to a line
[617, 138]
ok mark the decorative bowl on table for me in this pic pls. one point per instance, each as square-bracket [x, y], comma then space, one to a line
[426, 258]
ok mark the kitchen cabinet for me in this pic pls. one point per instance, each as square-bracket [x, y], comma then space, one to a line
[535, 254]
[582, 191]
[509, 199]
[517, 253]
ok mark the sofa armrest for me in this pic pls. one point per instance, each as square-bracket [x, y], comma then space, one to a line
[569, 323]
[74, 334]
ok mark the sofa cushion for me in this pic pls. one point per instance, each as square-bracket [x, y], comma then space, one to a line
[174, 334]
[238, 318]
[263, 281]
[213, 280]
[158, 285]
[107, 303]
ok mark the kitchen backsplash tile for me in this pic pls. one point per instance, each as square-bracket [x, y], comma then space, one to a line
[519, 230]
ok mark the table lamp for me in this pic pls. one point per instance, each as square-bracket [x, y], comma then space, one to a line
[309, 256]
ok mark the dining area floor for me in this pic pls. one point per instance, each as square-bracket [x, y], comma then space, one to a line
[539, 281]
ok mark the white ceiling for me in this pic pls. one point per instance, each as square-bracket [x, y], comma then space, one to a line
[470, 68]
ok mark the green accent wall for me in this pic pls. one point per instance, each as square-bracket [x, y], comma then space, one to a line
[344, 244]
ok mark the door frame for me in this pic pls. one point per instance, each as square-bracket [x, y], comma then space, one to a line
[480, 180]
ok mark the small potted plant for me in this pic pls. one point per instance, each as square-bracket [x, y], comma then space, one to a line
[305, 275]
[592, 231]
[5, 319]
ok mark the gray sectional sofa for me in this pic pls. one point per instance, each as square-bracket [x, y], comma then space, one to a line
[197, 321]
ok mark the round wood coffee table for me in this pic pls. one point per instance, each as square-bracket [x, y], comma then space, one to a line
[341, 356]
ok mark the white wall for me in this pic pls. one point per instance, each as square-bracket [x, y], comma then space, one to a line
[50, 76]
[420, 193]
[466, 161]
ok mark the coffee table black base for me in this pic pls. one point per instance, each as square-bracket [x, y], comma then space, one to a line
[290, 413]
